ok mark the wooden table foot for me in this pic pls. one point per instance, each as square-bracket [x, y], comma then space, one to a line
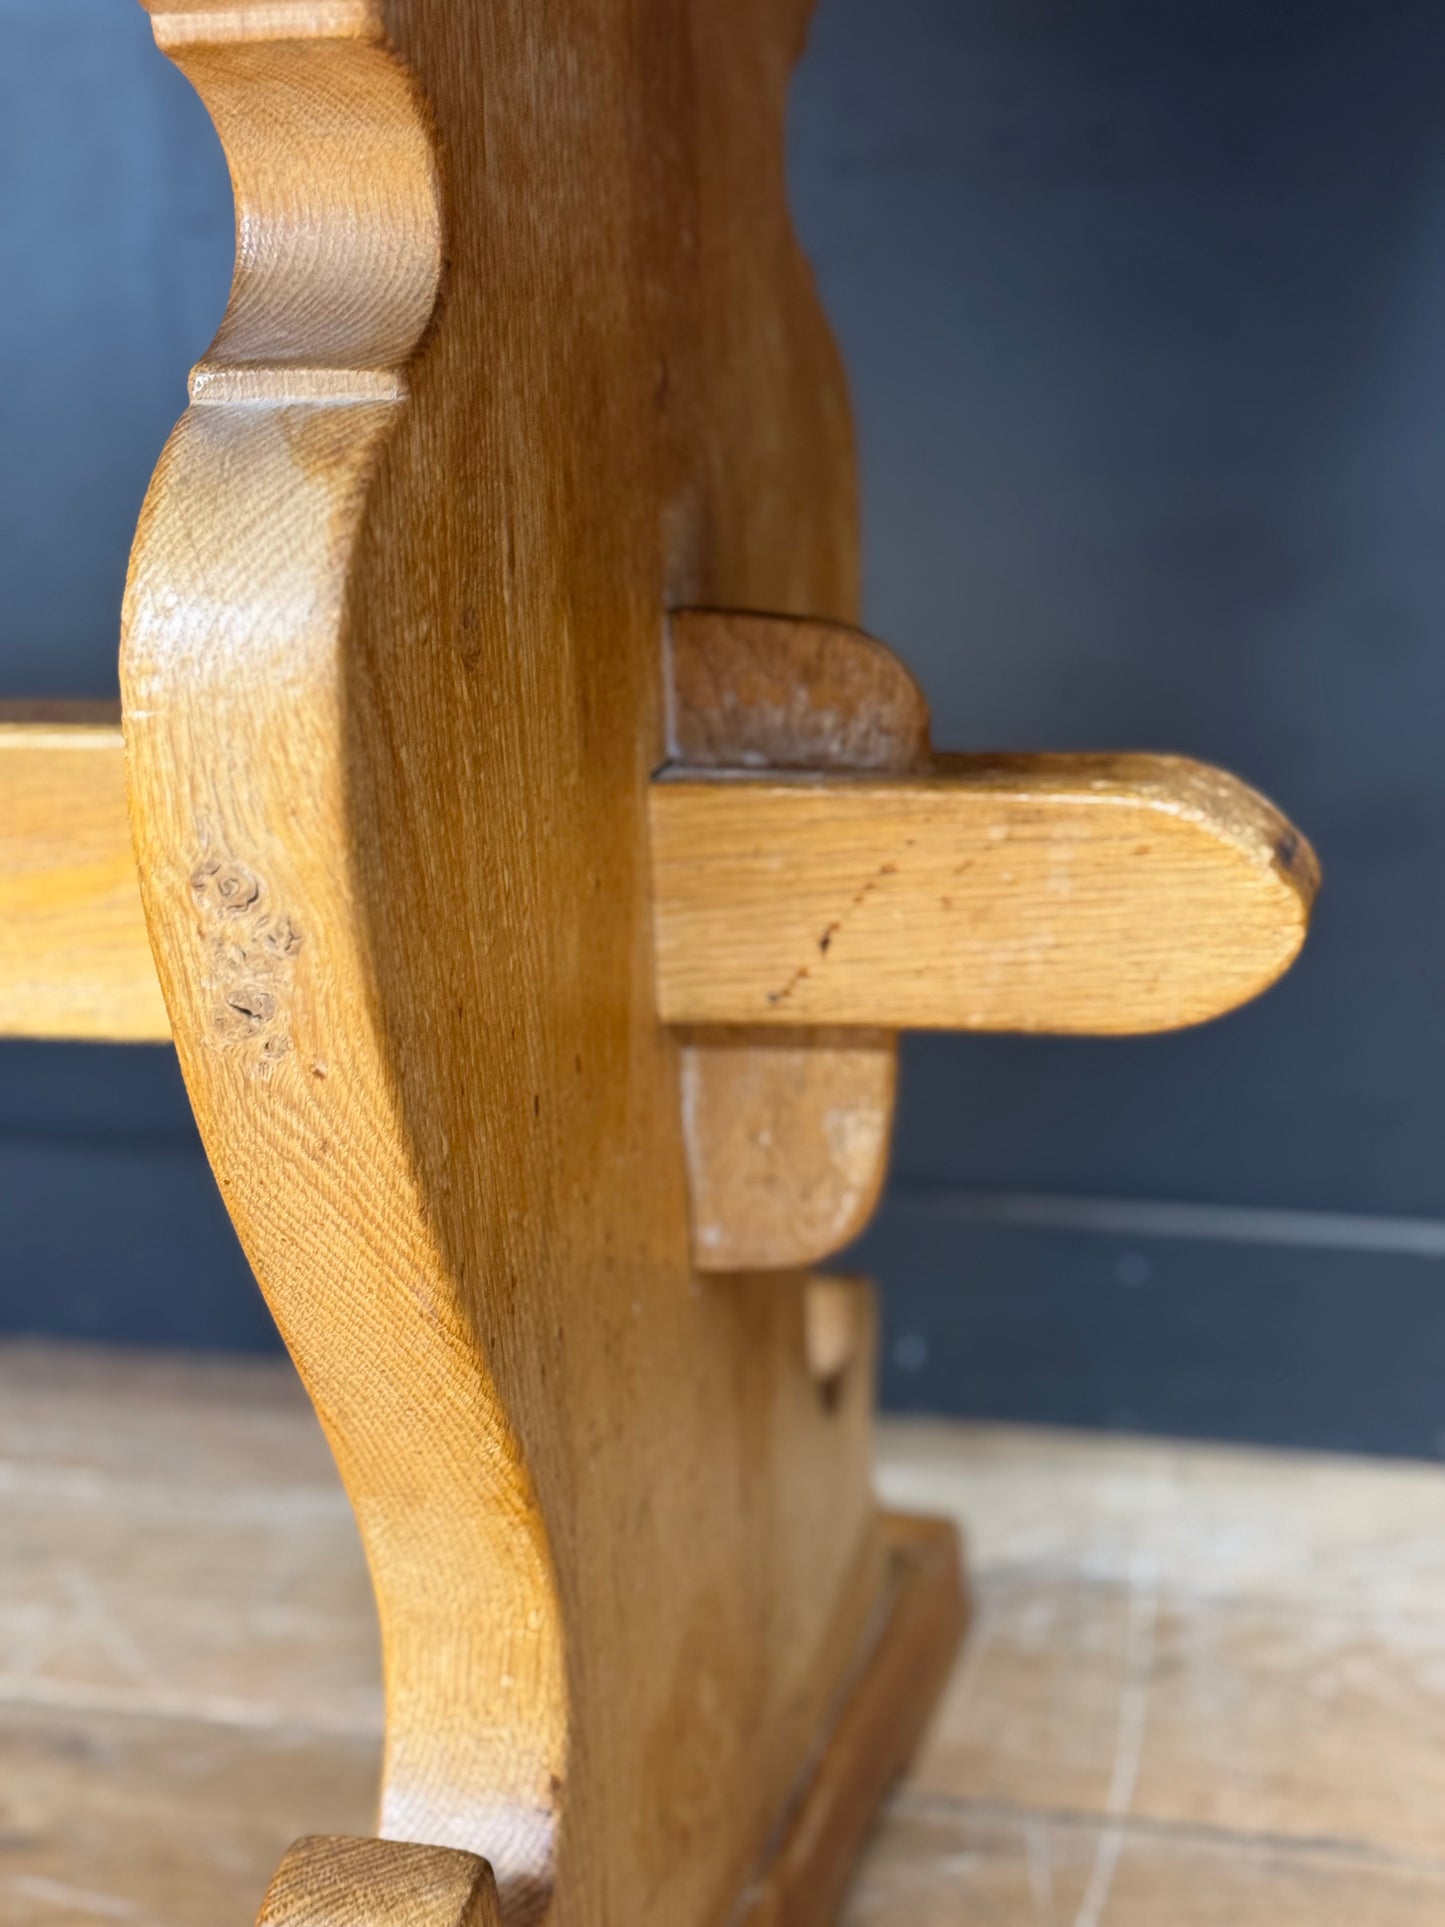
[921, 1622]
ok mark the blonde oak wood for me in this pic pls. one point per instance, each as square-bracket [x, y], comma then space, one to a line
[331, 1882]
[786, 1139]
[764, 692]
[787, 1135]
[1293, 1729]
[327, 1881]
[1093, 893]
[1102, 894]
[74, 959]
[393, 695]
[876, 1734]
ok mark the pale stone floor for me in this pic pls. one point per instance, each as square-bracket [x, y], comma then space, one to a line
[1205, 1687]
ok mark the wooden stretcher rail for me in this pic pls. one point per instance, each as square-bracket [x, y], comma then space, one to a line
[1065, 894]
[74, 959]
[1096, 894]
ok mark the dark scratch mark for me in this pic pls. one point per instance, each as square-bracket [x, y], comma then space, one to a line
[860, 895]
[778, 996]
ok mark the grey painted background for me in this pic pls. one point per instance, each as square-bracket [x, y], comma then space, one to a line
[1145, 312]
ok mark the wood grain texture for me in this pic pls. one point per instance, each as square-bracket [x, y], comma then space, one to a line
[339, 249]
[74, 957]
[752, 691]
[331, 1881]
[393, 690]
[922, 1622]
[787, 1137]
[1069, 894]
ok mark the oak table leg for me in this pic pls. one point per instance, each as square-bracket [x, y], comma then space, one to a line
[520, 353]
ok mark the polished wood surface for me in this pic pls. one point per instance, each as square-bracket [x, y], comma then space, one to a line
[521, 354]
[1204, 1686]
[787, 1134]
[1097, 894]
[1100, 894]
[394, 690]
[74, 960]
[773, 692]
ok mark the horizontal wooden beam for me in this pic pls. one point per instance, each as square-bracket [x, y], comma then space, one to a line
[74, 960]
[1085, 894]
[1099, 894]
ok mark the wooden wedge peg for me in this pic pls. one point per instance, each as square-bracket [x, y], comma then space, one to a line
[867, 885]
[786, 1131]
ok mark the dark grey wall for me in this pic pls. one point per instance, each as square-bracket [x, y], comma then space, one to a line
[1144, 309]
[115, 255]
